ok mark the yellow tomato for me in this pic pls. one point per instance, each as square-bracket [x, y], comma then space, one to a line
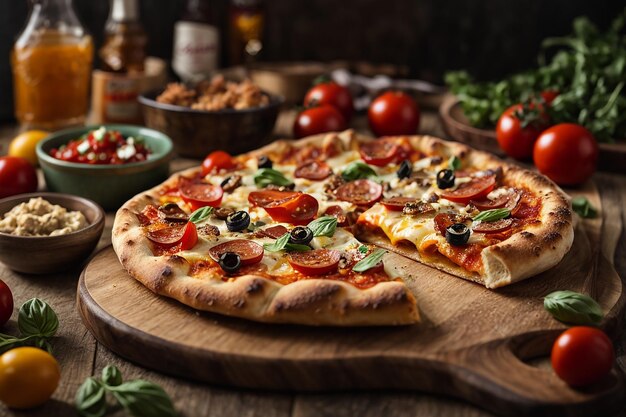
[24, 144]
[28, 377]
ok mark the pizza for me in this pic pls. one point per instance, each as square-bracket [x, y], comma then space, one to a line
[301, 231]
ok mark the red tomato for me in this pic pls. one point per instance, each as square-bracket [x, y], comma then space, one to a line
[566, 153]
[17, 176]
[332, 94]
[217, 161]
[6, 303]
[360, 192]
[582, 355]
[396, 203]
[515, 140]
[201, 194]
[548, 96]
[249, 252]
[379, 153]
[476, 189]
[394, 113]
[190, 236]
[298, 210]
[315, 262]
[316, 120]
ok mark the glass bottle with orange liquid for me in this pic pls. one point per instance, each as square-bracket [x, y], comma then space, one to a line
[51, 62]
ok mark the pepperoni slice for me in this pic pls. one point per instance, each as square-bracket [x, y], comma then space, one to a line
[476, 189]
[487, 204]
[300, 209]
[185, 235]
[200, 194]
[274, 232]
[493, 227]
[360, 192]
[379, 152]
[249, 252]
[396, 203]
[337, 211]
[265, 197]
[314, 171]
[315, 262]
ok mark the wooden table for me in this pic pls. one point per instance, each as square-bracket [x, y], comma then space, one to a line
[80, 356]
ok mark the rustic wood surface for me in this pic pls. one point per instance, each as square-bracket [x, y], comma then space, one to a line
[80, 356]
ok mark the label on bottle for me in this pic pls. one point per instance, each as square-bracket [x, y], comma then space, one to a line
[196, 49]
[120, 99]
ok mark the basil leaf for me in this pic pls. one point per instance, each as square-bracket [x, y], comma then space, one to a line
[91, 399]
[323, 226]
[267, 176]
[583, 207]
[493, 215]
[111, 376]
[363, 249]
[454, 163]
[254, 226]
[201, 214]
[143, 398]
[282, 243]
[369, 261]
[358, 170]
[36, 318]
[572, 307]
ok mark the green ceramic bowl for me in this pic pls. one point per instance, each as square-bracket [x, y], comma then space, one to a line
[108, 185]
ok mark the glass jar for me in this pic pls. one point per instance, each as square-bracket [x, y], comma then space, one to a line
[51, 62]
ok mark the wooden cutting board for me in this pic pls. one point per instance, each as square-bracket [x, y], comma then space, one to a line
[473, 343]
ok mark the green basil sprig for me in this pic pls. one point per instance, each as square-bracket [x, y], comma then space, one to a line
[358, 170]
[454, 163]
[139, 397]
[282, 243]
[573, 308]
[267, 176]
[583, 207]
[369, 261]
[201, 214]
[323, 226]
[37, 323]
[493, 215]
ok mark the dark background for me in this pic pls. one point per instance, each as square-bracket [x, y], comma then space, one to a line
[490, 38]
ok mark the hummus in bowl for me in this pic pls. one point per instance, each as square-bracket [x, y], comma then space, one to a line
[39, 217]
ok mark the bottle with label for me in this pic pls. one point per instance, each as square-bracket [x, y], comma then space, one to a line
[118, 84]
[247, 19]
[196, 42]
[51, 63]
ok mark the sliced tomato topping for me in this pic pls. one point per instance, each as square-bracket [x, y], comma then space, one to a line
[300, 209]
[217, 161]
[200, 194]
[265, 197]
[313, 170]
[249, 252]
[274, 232]
[315, 262]
[360, 192]
[396, 203]
[379, 152]
[186, 235]
[493, 227]
[476, 189]
[337, 211]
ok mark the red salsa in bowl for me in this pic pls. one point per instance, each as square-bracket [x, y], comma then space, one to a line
[104, 147]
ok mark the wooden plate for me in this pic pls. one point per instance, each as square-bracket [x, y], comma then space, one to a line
[473, 343]
[612, 156]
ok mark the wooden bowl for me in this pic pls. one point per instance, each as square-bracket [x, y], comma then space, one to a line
[612, 157]
[50, 254]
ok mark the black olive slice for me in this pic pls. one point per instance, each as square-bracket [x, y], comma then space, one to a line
[230, 262]
[237, 221]
[445, 179]
[405, 170]
[457, 234]
[300, 235]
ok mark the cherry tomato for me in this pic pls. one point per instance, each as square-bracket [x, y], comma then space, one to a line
[17, 176]
[265, 197]
[379, 153]
[313, 170]
[217, 161]
[315, 120]
[298, 210]
[6, 303]
[249, 251]
[28, 377]
[396, 203]
[582, 355]
[548, 96]
[199, 195]
[394, 113]
[566, 153]
[360, 192]
[332, 94]
[515, 140]
[476, 189]
[315, 262]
